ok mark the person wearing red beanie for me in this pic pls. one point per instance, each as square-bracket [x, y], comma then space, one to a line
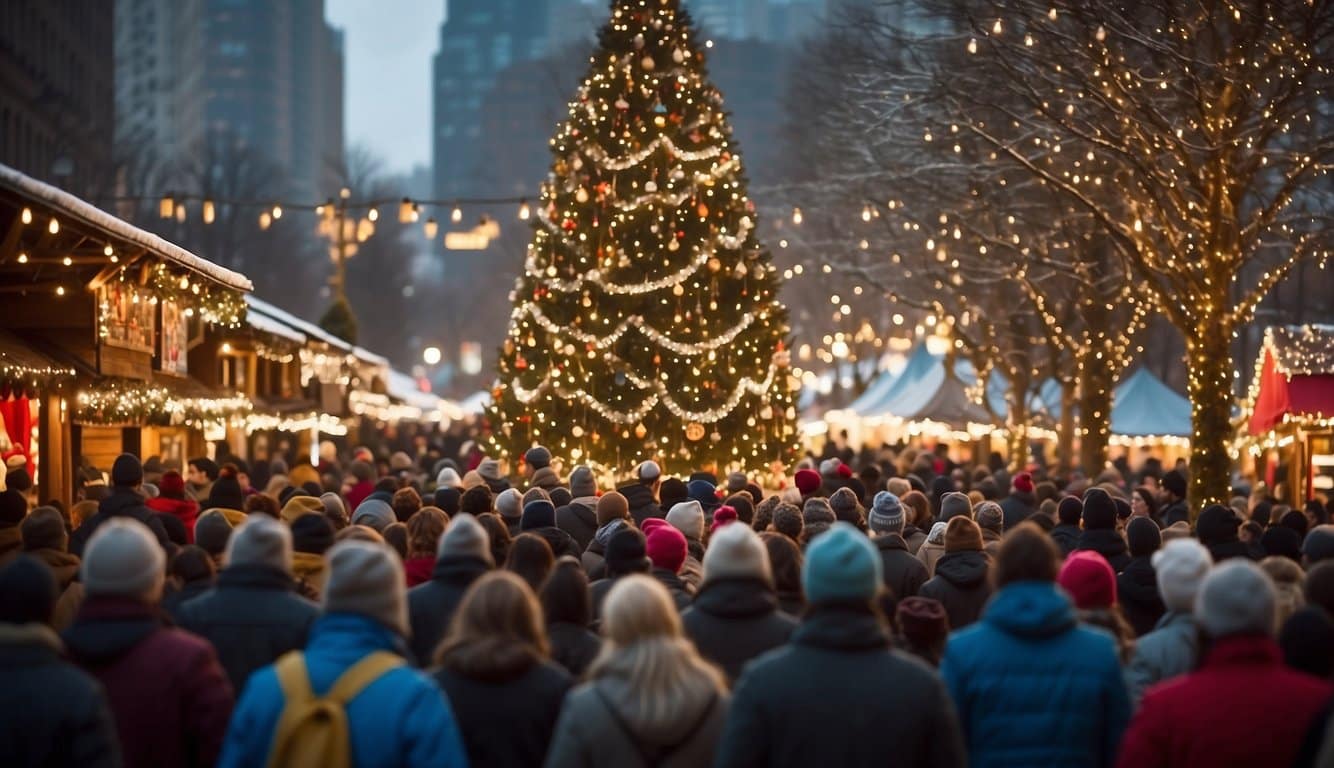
[723, 516]
[666, 548]
[808, 482]
[173, 501]
[1091, 583]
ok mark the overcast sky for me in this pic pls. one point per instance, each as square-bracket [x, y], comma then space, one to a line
[389, 45]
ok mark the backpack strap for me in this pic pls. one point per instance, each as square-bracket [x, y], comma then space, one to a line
[360, 675]
[295, 685]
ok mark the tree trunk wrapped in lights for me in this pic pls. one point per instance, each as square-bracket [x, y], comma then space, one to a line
[646, 322]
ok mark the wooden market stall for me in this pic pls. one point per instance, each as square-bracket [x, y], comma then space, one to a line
[116, 311]
[1288, 418]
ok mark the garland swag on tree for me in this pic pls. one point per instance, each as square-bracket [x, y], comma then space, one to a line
[646, 323]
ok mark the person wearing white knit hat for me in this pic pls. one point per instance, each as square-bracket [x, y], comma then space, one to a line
[1173, 647]
[735, 615]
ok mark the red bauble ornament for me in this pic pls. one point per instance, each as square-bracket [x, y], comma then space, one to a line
[568, 225]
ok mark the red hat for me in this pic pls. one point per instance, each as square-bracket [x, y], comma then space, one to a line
[667, 548]
[844, 471]
[1089, 580]
[808, 481]
[172, 484]
[722, 516]
[651, 523]
[1023, 482]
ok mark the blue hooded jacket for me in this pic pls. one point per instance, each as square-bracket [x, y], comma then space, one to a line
[401, 719]
[1032, 687]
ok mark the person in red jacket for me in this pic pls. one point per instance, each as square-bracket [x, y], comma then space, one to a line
[169, 696]
[171, 500]
[1243, 706]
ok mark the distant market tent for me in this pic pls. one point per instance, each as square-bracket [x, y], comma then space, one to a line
[1145, 410]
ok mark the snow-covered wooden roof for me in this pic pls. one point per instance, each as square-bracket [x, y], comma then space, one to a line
[78, 210]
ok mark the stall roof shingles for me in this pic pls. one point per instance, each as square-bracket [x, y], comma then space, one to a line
[79, 210]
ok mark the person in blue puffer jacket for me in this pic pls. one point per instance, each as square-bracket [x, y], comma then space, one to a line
[400, 719]
[1032, 686]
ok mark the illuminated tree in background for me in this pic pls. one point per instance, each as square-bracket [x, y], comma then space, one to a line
[1190, 142]
[646, 322]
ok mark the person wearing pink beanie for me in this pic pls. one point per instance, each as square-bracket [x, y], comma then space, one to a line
[1091, 583]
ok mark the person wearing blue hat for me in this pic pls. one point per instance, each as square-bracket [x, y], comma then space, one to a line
[706, 494]
[781, 710]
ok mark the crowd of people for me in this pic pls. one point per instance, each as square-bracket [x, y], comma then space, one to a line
[419, 611]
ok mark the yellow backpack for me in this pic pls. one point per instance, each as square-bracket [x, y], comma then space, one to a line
[312, 732]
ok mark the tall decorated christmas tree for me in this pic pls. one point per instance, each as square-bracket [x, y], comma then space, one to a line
[646, 323]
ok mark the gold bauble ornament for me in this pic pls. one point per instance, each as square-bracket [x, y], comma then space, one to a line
[640, 430]
[694, 431]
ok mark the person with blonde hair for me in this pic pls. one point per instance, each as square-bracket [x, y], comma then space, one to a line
[494, 666]
[650, 698]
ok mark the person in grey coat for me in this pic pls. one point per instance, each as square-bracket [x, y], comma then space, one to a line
[624, 716]
[1173, 647]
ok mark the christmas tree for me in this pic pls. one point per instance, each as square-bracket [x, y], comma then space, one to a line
[646, 323]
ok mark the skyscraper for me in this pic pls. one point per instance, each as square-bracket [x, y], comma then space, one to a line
[478, 39]
[57, 108]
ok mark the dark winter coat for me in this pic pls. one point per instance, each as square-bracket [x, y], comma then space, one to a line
[561, 542]
[642, 504]
[507, 722]
[1137, 592]
[251, 617]
[1066, 537]
[1032, 686]
[580, 521]
[432, 605]
[1243, 707]
[1018, 506]
[572, 646]
[51, 713]
[172, 602]
[169, 695]
[594, 560]
[400, 719]
[1109, 544]
[733, 621]
[679, 592]
[1175, 512]
[903, 573]
[836, 695]
[961, 585]
[792, 602]
[123, 502]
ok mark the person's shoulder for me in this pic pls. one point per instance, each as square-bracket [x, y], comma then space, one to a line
[549, 675]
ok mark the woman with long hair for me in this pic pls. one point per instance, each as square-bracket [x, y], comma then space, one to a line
[650, 700]
[493, 666]
[531, 558]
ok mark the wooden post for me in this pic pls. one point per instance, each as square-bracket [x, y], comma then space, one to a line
[55, 461]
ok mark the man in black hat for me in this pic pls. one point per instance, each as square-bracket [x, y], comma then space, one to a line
[1174, 487]
[125, 500]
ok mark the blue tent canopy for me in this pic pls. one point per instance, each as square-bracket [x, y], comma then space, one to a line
[1143, 406]
[920, 365]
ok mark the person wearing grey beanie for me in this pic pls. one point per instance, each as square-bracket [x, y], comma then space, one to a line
[901, 571]
[1197, 715]
[153, 674]
[734, 617]
[462, 556]
[212, 531]
[253, 615]
[688, 518]
[374, 514]
[1173, 647]
[509, 505]
[401, 712]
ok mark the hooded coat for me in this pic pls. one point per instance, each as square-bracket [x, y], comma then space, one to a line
[837, 695]
[167, 691]
[579, 519]
[1195, 721]
[641, 501]
[1137, 592]
[400, 719]
[432, 605]
[601, 726]
[252, 616]
[913, 537]
[961, 585]
[1171, 649]
[51, 713]
[733, 621]
[902, 573]
[123, 502]
[1066, 536]
[1032, 686]
[1018, 507]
